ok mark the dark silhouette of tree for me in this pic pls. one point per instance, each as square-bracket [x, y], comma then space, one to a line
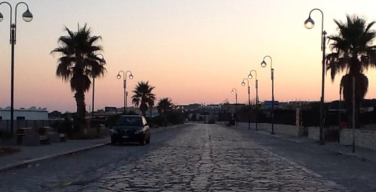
[164, 105]
[143, 96]
[78, 63]
[352, 53]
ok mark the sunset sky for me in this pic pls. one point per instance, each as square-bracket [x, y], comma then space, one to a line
[191, 51]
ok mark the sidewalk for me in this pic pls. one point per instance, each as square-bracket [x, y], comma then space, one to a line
[32, 154]
[29, 154]
[334, 147]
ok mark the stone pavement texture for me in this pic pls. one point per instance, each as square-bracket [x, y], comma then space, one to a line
[206, 158]
[332, 160]
[193, 158]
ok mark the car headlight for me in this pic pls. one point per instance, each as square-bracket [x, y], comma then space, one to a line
[113, 131]
[139, 131]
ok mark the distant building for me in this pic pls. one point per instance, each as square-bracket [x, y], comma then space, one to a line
[190, 107]
[268, 104]
[231, 108]
[110, 109]
[212, 109]
[32, 113]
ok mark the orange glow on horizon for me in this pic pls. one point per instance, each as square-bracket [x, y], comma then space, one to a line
[192, 52]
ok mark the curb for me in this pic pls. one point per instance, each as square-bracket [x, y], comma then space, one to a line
[30, 161]
[361, 157]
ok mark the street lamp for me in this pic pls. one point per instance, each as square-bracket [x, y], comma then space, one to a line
[125, 84]
[236, 104]
[249, 102]
[103, 61]
[309, 24]
[263, 64]
[257, 99]
[339, 111]
[27, 17]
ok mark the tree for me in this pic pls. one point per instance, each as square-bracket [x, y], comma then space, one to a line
[164, 105]
[54, 114]
[143, 96]
[352, 53]
[78, 62]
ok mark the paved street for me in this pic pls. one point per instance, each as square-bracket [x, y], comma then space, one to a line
[191, 158]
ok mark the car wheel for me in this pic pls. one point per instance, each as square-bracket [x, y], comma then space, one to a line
[148, 140]
[142, 141]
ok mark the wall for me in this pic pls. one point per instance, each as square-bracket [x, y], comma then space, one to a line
[28, 114]
[278, 128]
[363, 138]
[5, 124]
[314, 133]
[330, 133]
[289, 130]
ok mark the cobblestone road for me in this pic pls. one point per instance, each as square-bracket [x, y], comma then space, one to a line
[202, 158]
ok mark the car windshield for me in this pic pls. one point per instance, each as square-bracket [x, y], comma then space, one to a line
[129, 121]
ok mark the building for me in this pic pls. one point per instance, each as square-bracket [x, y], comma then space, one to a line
[32, 113]
[110, 111]
[231, 108]
[190, 107]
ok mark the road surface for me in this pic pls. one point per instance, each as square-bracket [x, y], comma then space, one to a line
[195, 157]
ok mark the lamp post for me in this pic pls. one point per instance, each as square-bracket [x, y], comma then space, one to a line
[92, 103]
[263, 64]
[125, 85]
[27, 17]
[309, 24]
[353, 113]
[339, 111]
[249, 102]
[256, 86]
[236, 104]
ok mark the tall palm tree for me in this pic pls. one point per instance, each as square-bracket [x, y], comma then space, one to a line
[143, 96]
[164, 105]
[78, 62]
[352, 53]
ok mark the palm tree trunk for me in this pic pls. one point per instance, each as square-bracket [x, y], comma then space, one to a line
[81, 110]
[164, 119]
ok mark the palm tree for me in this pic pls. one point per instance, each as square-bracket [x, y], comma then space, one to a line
[352, 53]
[78, 62]
[143, 96]
[164, 105]
[151, 105]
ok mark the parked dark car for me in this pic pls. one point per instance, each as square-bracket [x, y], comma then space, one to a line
[131, 128]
